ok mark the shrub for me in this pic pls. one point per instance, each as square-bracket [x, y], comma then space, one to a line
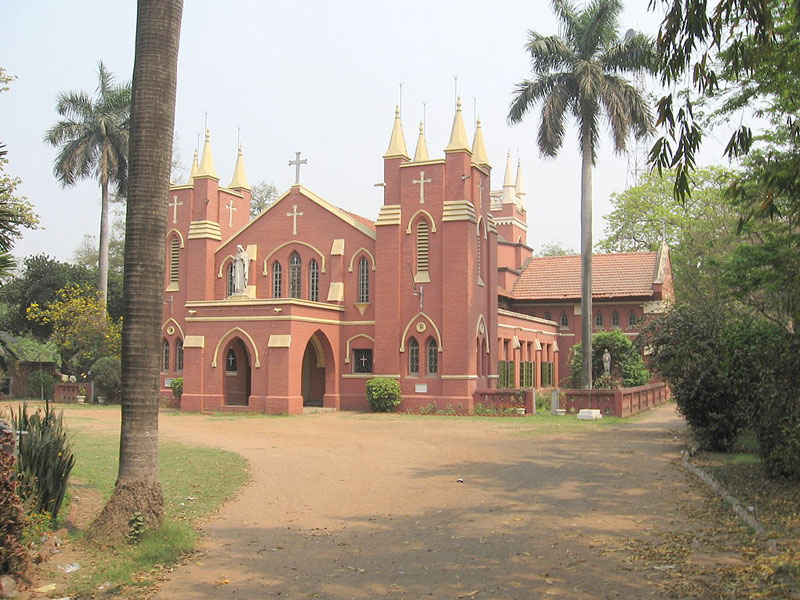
[627, 365]
[383, 394]
[177, 388]
[13, 557]
[45, 458]
[689, 349]
[40, 384]
[107, 373]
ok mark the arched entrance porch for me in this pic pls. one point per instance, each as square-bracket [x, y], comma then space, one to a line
[313, 372]
[236, 375]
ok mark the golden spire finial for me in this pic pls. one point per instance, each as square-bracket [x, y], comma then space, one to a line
[239, 180]
[397, 143]
[421, 153]
[458, 136]
[509, 190]
[206, 168]
[479, 156]
[195, 168]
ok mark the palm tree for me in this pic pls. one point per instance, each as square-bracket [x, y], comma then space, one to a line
[155, 75]
[580, 72]
[93, 141]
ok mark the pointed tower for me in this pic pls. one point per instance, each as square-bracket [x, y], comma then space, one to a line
[509, 189]
[479, 156]
[195, 169]
[519, 187]
[509, 214]
[421, 153]
[206, 167]
[239, 182]
[458, 156]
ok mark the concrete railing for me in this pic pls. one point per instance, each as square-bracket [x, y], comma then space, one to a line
[617, 403]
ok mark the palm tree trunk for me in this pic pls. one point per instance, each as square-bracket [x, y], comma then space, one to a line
[102, 262]
[152, 122]
[586, 259]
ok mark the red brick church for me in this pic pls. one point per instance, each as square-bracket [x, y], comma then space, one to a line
[303, 304]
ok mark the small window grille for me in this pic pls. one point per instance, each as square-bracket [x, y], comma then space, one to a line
[413, 357]
[277, 280]
[294, 275]
[433, 357]
[313, 281]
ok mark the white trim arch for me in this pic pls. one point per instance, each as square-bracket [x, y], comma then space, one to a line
[180, 329]
[420, 315]
[307, 245]
[485, 334]
[414, 217]
[225, 336]
[355, 254]
[176, 232]
[355, 337]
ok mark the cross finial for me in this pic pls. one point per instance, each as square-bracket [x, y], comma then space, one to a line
[296, 163]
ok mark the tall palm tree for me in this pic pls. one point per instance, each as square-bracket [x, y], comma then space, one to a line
[580, 72]
[155, 75]
[93, 141]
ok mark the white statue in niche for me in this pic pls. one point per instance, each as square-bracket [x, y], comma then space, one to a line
[241, 264]
[607, 362]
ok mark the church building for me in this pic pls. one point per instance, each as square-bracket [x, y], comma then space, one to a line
[301, 305]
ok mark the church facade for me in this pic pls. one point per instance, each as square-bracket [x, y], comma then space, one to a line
[301, 305]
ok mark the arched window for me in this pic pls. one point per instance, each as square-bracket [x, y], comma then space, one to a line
[230, 361]
[547, 316]
[632, 319]
[179, 355]
[413, 357]
[277, 280]
[231, 281]
[564, 320]
[433, 357]
[423, 245]
[363, 279]
[615, 319]
[295, 267]
[174, 261]
[599, 320]
[313, 280]
[165, 356]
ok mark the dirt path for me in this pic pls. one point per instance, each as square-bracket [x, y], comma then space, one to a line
[345, 505]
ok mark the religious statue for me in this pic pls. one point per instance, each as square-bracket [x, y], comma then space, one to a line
[607, 362]
[241, 264]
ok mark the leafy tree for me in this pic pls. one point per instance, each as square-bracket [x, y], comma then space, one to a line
[554, 249]
[82, 330]
[86, 255]
[155, 74]
[262, 195]
[93, 143]
[700, 231]
[37, 283]
[581, 73]
[627, 366]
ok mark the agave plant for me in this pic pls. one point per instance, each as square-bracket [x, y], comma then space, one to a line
[45, 458]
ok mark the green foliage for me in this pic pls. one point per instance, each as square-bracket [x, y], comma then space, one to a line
[627, 366]
[262, 195]
[13, 556]
[39, 279]
[383, 394]
[177, 387]
[45, 458]
[136, 528]
[40, 384]
[16, 213]
[107, 372]
[81, 330]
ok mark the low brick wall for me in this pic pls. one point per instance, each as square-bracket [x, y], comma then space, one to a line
[506, 399]
[69, 392]
[616, 403]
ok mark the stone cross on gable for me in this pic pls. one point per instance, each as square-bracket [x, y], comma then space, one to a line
[294, 214]
[421, 181]
[296, 163]
[175, 204]
[231, 209]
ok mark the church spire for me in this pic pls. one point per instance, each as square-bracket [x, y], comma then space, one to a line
[206, 168]
[195, 168]
[458, 136]
[421, 153]
[509, 188]
[479, 156]
[397, 143]
[239, 180]
[520, 185]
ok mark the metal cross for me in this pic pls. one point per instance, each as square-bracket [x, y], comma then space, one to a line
[294, 214]
[421, 181]
[231, 361]
[363, 360]
[175, 204]
[297, 162]
[231, 209]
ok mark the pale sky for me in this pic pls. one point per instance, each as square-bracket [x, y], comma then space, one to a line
[312, 76]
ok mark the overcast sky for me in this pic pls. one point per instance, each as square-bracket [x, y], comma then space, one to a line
[311, 76]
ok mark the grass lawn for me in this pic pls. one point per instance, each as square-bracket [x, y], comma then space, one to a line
[195, 480]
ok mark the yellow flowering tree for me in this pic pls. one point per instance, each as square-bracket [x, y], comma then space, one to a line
[82, 331]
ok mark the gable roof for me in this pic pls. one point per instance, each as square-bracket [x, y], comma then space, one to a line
[613, 276]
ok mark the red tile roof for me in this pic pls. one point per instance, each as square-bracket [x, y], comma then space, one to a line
[363, 220]
[613, 275]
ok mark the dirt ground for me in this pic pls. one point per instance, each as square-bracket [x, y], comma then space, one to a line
[346, 505]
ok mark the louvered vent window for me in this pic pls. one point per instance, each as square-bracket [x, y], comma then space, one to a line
[423, 245]
[174, 260]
